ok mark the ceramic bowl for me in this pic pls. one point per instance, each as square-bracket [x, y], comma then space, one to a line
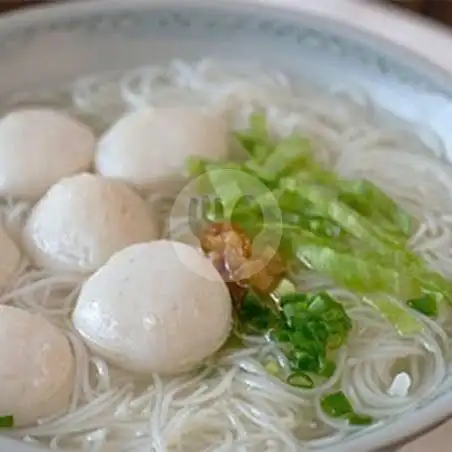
[405, 65]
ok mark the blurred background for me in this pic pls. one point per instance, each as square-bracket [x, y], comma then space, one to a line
[437, 9]
[440, 10]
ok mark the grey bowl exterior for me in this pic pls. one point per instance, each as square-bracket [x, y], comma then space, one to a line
[404, 64]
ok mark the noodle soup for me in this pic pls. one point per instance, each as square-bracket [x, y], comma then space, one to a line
[313, 303]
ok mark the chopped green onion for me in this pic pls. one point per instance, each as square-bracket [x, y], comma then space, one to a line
[272, 367]
[256, 317]
[300, 380]
[360, 419]
[336, 405]
[426, 305]
[307, 328]
[328, 369]
[233, 342]
[6, 421]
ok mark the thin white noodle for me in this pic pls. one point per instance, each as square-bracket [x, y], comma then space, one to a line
[232, 404]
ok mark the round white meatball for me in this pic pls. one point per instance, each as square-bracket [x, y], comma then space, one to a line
[83, 220]
[36, 367]
[10, 260]
[155, 307]
[149, 148]
[38, 147]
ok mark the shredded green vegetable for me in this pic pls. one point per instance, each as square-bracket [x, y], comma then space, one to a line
[6, 421]
[338, 406]
[372, 203]
[404, 322]
[288, 153]
[355, 272]
[349, 230]
[256, 140]
[285, 287]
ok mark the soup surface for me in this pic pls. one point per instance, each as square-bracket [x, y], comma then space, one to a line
[310, 301]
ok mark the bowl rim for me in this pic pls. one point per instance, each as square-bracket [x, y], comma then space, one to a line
[420, 38]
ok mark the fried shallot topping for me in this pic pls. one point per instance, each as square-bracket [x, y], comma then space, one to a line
[241, 265]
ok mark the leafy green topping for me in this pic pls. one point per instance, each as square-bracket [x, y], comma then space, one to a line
[404, 322]
[290, 152]
[256, 140]
[348, 230]
[355, 272]
[360, 419]
[328, 205]
[196, 166]
[300, 380]
[372, 203]
[307, 329]
[285, 287]
[337, 405]
[6, 421]
[427, 305]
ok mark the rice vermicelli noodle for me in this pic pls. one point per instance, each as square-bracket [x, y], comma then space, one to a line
[232, 403]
